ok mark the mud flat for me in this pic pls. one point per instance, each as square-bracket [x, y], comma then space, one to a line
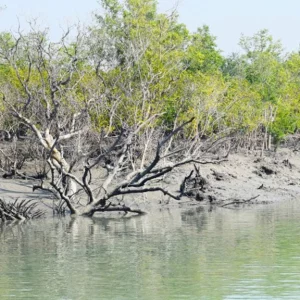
[243, 177]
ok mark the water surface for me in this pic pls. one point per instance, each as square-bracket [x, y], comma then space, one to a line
[193, 253]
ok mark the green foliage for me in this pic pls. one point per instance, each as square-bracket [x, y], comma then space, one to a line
[138, 62]
[202, 54]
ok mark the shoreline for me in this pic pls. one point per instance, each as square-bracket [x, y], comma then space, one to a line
[267, 179]
[273, 177]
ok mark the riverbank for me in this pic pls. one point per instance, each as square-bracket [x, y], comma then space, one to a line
[273, 177]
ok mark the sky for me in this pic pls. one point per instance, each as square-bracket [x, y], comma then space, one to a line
[227, 19]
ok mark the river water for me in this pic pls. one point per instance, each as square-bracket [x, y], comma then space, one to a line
[194, 253]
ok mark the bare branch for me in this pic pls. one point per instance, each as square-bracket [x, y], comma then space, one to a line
[70, 135]
[238, 202]
[124, 209]
[158, 149]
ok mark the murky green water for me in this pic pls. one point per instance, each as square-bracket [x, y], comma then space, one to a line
[195, 254]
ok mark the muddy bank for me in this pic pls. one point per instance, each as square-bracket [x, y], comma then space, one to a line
[274, 177]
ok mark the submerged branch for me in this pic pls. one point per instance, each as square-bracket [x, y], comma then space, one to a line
[238, 202]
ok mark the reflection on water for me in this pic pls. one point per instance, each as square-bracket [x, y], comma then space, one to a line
[191, 254]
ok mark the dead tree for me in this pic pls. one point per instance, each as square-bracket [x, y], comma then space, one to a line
[40, 92]
[136, 182]
[56, 109]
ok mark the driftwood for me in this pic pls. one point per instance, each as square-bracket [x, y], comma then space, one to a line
[239, 202]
